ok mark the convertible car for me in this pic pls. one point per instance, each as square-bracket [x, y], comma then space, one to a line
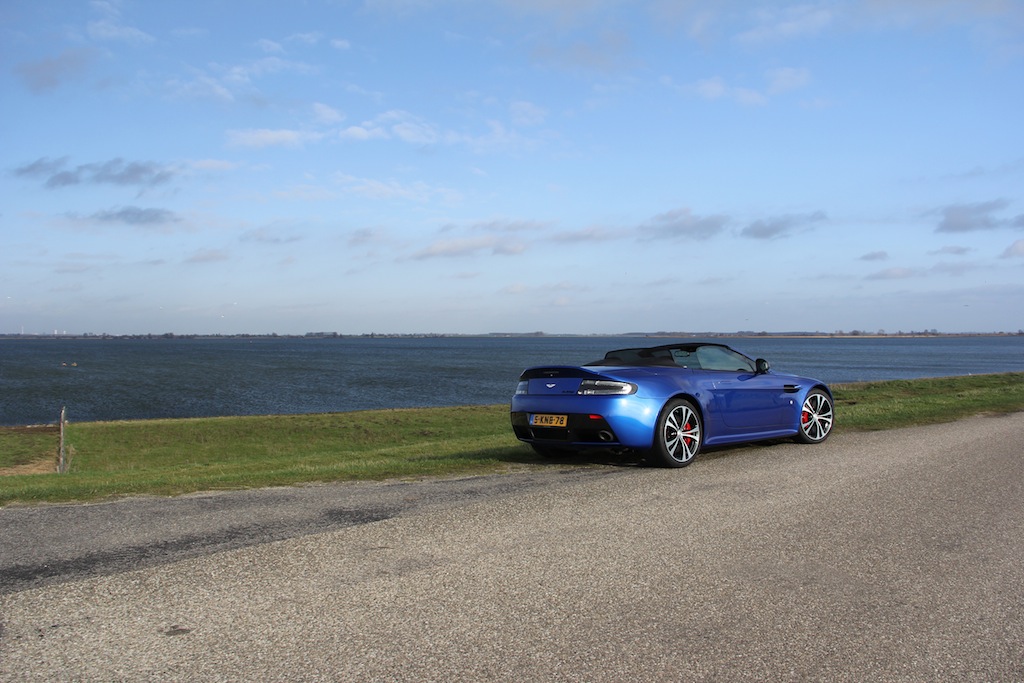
[667, 402]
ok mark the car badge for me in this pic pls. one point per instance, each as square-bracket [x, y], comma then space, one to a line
[551, 386]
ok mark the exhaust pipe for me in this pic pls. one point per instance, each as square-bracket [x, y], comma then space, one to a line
[605, 435]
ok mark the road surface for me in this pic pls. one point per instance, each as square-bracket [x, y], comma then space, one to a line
[888, 556]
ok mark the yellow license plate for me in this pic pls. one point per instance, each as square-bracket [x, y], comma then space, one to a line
[549, 420]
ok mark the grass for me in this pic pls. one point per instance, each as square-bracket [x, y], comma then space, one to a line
[25, 445]
[170, 457]
[901, 403]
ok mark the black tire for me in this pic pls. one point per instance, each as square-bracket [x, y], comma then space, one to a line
[817, 415]
[678, 435]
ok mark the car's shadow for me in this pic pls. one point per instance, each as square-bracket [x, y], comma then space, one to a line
[628, 457]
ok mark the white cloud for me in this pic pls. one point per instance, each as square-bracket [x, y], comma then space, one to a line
[105, 30]
[363, 132]
[394, 123]
[952, 251]
[415, 132]
[1015, 250]
[214, 165]
[508, 226]
[379, 189]
[711, 88]
[786, 79]
[270, 235]
[226, 83]
[113, 172]
[497, 138]
[374, 95]
[305, 193]
[310, 38]
[136, 216]
[527, 113]
[971, 217]
[994, 26]
[608, 52]
[409, 128]
[698, 22]
[263, 137]
[562, 10]
[875, 256]
[681, 223]
[47, 74]
[954, 269]
[110, 27]
[782, 226]
[326, 114]
[244, 74]
[589, 235]
[208, 256]
[777, 82]
[786, 23]
[269, 46]
[201, 87]
[893, 274]
[931, 12]
[748, 97]
[368, 237]
[470, 246]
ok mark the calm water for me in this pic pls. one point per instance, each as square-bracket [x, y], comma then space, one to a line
[113, 379]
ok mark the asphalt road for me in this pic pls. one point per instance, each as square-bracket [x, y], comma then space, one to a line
[893, 556]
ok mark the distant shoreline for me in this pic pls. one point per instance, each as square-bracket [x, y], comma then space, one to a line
[132, 378]
[522, 335]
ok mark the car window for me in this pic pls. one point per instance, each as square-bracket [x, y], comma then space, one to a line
[685, 358]
[644, 356]
[721, 358]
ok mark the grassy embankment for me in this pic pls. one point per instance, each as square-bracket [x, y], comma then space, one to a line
[166, 457]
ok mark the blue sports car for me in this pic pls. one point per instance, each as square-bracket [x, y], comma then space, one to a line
[667, 402]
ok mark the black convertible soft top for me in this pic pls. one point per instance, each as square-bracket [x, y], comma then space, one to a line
[650, 355]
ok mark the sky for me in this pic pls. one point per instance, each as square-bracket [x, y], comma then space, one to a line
[487, 166]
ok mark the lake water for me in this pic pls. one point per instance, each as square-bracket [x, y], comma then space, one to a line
[121, 379]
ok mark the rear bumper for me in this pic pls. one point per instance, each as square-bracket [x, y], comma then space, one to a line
[622, 421]
[581, 430]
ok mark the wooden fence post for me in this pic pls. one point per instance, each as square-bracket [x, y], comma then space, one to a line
[62, 465]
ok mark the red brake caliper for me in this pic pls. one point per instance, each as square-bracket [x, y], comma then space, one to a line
[805, 417]
[687, 439]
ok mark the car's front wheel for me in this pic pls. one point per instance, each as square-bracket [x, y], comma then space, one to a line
[678, 435]
[816, 417]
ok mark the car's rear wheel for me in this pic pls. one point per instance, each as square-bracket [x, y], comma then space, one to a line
[816, 417]
[679, 435]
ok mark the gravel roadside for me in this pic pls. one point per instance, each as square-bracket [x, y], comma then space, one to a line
[884, 556]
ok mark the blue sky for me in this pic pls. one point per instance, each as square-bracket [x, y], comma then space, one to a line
[477, 166]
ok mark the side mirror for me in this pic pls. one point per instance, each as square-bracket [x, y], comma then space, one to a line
[762, 366]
